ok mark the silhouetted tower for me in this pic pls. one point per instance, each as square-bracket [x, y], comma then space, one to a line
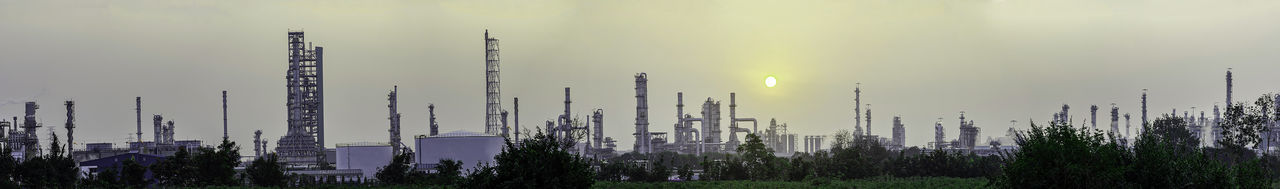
[71, 126]
[565, 126]
[1115, 119]
[642, 113]
[868, 120]
[1228, 86]
[899, 133]
[394, 117]
[435, 127]
[224, 115]
[1126, 126]
[857, 107]
[1144, 108]
[257, 143]
[1217, 125]
[30, 140]
[1093, 116]
[303, 144]
[597, 118]
[516, 120]
[505, 129]
[138, 108]
[938, 141]
[493, 89]
[157, 128]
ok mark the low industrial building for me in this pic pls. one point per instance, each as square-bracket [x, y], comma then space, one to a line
[470, 148]
[366, 157]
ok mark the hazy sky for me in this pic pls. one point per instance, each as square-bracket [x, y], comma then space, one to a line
[921, 59]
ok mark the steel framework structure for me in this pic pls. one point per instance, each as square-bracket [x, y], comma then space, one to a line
[493, 88]
[304, 143]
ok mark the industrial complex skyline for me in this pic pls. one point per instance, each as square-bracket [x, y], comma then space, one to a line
[915, 59]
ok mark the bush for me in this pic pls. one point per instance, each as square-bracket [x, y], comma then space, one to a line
[266, 171]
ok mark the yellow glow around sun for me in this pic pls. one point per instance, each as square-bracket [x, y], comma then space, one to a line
[770, 81]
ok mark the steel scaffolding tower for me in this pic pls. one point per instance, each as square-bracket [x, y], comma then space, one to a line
[493, 88]
[394, 117]
[303, 145]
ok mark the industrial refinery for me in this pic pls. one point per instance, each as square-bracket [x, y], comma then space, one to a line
[636, 94]
[703, 129]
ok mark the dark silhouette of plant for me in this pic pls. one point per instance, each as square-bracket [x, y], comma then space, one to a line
[266, 171]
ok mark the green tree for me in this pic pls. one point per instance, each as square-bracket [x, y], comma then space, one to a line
[8, 166]
[176, 170]
[266, 171]
[216, 167]
[53, 170]
[398, 172]
[759, 159]
[133, 174]
[105, 179]
[540, 161]
[448, 172]
[1242, 124]
[1061, 156]
[685, 173]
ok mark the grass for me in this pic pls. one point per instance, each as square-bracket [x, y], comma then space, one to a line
[879, 182]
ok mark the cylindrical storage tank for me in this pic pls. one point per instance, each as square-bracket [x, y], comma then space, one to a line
[470, 148]
[368, 157]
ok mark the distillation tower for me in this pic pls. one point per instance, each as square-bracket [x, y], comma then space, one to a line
[303, 145]
[642, 114]
[394, 118]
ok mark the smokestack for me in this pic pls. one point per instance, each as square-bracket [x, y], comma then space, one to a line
[1228, 87]
[682, 134]
[435, 128]
[139, 109]
[224, 115]
[70, 126]
[1144, 108]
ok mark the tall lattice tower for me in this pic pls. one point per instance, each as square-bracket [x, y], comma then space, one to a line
[493, 88]
[304, 143]
[394, 117]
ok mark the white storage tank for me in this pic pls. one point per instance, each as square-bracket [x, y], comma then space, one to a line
[469, 147]
[368, 157]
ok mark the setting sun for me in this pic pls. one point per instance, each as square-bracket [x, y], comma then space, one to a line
[770, 81]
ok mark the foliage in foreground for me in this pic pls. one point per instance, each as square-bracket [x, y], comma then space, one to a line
[1061, 156]
[875, 182]
[540, 161]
